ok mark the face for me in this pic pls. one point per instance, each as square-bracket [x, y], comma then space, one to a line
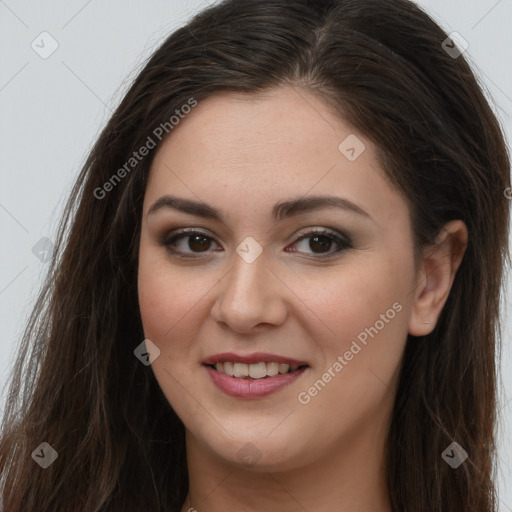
[268, 271]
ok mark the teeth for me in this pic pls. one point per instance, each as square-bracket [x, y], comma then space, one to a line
[272, 369]
[254, 371]
[228, 368]
[241, 370]
[257, 371]
[283, 368]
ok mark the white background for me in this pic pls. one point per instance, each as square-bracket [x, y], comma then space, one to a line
[52, 110]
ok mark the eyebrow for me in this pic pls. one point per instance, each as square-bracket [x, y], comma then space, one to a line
[280, 210]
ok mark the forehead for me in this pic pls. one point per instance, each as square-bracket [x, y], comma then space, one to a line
[243, 149]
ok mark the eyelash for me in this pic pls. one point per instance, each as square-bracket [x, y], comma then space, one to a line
[343, 241]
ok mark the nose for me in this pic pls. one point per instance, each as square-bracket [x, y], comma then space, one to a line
[249, 295]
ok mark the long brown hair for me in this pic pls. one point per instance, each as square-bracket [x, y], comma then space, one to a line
[381, 63]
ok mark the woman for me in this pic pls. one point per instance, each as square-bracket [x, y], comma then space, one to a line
[275, 288]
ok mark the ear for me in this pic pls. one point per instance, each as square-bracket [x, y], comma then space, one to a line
[436, 273]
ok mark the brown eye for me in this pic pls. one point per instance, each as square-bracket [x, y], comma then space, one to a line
[320, 242]
[198, 243]
[187, 243]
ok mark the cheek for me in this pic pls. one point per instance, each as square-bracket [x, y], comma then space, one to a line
[366, 311]
[166, 297]
[169, 306]
[361, 301]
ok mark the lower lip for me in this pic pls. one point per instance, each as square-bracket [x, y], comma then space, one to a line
[252, 388]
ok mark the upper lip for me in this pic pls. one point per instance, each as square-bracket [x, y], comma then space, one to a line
[256, 357]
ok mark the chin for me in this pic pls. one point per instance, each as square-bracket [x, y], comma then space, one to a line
[258, 453]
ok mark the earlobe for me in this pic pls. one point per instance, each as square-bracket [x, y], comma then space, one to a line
[436, 275]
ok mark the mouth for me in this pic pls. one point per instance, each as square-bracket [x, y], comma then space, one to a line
[253, 376]
[255, 371]
[255, 366]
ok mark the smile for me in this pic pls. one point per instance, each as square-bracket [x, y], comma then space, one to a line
[260, 370]
[252, 375]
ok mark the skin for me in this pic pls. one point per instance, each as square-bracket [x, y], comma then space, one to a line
[241, 154]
